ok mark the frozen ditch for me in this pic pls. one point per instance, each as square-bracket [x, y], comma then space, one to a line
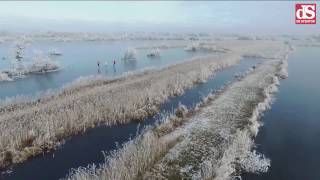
[84, 149]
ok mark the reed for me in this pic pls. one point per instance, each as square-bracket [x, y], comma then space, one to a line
[132, 159]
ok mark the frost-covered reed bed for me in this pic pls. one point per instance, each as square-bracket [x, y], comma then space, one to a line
[214, 141]
[217, 142]
[29, 128]
[133, 158]
[137, 155]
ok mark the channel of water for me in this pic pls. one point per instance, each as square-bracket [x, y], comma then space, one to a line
[291, 132]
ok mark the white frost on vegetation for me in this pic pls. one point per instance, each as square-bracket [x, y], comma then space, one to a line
[283, 74]
[217, 143]
[130, 54]
[136, 156]
[239, 154]
[130, 161]
[216, 136]
[40, 64]
[29, 128]
[5, 77]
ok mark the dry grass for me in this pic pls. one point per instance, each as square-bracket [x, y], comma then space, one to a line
[31, 127]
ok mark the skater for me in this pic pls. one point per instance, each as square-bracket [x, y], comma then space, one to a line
[98, 63]
[114, 67]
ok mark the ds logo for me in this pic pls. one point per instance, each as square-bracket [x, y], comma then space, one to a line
[306, 14]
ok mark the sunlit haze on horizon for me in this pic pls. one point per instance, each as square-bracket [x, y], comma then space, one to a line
[177, 16]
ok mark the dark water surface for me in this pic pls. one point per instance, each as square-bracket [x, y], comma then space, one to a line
[290, 136]
[86, 148]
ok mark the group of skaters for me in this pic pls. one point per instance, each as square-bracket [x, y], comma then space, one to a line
[114, 63]
[106, 64]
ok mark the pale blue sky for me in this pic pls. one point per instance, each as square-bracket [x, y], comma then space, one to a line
[265, 17]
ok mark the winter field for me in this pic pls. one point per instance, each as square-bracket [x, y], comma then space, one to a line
[159, 90]
[31, 126]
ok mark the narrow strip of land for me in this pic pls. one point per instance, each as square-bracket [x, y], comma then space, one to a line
[218, 138]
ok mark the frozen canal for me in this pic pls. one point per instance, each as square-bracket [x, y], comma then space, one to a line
[80, 59]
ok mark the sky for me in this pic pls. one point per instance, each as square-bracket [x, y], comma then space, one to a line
[107, 16]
